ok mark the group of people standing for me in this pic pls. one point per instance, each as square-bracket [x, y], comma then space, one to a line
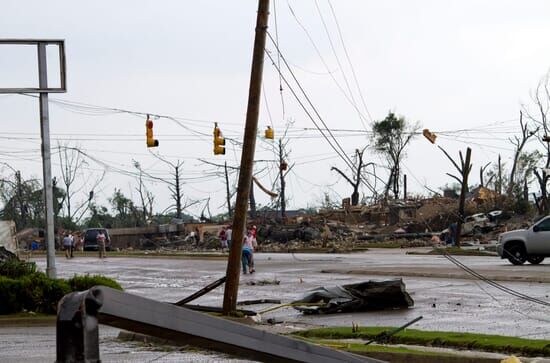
[249, 245]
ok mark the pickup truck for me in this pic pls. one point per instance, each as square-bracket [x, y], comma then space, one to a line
[532, 244]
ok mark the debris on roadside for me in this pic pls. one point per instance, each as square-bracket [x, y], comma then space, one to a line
[364, 296]
[263, 282]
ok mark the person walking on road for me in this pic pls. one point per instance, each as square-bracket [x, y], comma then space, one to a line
[101, 244]
[229, 236]
[68, 246]
[223, 238]
[249, 244]
[73, 244]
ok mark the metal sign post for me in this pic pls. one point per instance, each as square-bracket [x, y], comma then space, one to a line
[43, 90]
[46, 160]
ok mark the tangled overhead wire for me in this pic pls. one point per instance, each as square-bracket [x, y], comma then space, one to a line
[494, 283]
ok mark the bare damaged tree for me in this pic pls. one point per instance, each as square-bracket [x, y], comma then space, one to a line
[541, 100]
[519, 143]
[464, 171]
[357, 178]
[482, 173]
[174, 185]
[284, 169]
[227, 169]
[145, 196]
[71, 161]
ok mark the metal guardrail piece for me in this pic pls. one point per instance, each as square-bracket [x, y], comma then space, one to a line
[79, 315]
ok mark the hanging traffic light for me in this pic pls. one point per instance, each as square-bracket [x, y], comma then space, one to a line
[429, 135]
[219, 141]
[269, 133]
[151, 142]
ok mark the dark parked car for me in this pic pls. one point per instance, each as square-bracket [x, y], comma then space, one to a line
[90, 239]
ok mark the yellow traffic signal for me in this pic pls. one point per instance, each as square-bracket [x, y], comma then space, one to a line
[219, 141]
[151, 142]
[269, 133]
[429, 135]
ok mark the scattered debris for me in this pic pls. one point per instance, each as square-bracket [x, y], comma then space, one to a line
[364, 296]
[263, 282]
[6, 255]
[259, 301]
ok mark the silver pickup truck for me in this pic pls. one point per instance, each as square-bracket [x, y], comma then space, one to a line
[532, 244]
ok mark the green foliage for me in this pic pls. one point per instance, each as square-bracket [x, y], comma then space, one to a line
[10, 293]
[14, 268]
[81, 283]
[99, 217]
[41, 294]
[22, 201]
[66, 223]
[391, 136]
[35, 292]
[23, 288]
[387, 131]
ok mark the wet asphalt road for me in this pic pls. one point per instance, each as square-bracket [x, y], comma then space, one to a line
[450, 304]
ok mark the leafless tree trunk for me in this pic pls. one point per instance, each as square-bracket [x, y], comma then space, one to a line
[146, 197]
[70, 161]
[482, 173]
[356, 180]
[464, 171]
[519, 143]
[541, 100]
[174, 185]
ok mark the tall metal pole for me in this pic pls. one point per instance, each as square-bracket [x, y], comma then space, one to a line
[46, 160]
[247, 160]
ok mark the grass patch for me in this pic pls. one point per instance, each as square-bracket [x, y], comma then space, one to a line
[363, 349]
[483, 342]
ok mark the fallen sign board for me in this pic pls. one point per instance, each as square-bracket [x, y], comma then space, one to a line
[364, 296]
[79, 315]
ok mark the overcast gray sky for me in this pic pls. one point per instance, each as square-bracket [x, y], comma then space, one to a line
[449, 65]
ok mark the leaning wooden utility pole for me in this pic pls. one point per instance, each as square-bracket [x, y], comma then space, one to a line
[247, 160]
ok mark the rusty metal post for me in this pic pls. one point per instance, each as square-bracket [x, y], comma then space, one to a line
[247, 160]
[77, 327]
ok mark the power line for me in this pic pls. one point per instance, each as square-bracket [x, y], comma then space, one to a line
[338, 61]
[309, 114]
[351, 102]
[338, 150]
[278, 61]
[494, 283]
[350, 163]
[349, 60]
